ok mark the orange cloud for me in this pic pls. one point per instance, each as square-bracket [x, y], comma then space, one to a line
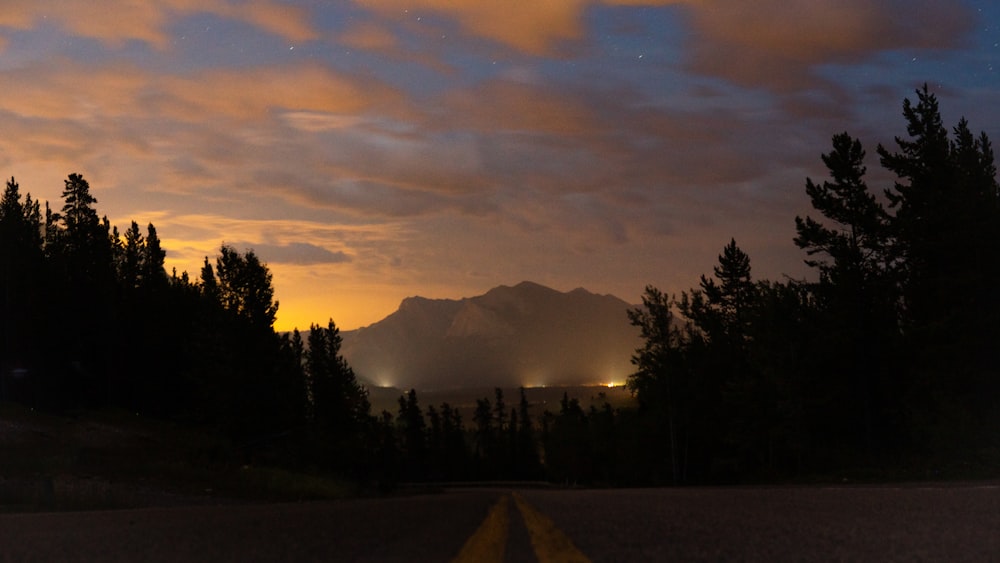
[249, 94]
[535, 27]
[769, 43]
[117, 21]
[503, 105]
[62, 90]
[775, 43]
[289, 22]
[369, 36]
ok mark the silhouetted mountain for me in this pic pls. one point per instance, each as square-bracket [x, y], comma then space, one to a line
[522, 335]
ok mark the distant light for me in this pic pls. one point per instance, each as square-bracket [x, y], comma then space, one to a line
[384, 380]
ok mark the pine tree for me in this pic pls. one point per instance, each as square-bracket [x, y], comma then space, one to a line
[244, 287]
[132, 261]
[947, 236]
[857, 296]
[527, 464]
[855, 250]
[663, 382]
[720, 310]
[413, 435]
[154, 274]
[339, 402]
[484, 437]
[22, 279]
[79, 217]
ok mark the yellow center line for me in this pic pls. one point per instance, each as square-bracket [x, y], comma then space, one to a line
[550, 544]
[488, 543]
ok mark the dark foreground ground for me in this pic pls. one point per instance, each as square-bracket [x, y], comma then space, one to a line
[885, 523]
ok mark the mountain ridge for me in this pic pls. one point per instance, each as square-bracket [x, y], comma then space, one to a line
[526, 334]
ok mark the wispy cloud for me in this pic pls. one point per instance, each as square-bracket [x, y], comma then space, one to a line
[441, 147]
[300, 253]
[116, 22]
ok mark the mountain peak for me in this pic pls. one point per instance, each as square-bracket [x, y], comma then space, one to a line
[523, 287]
[528, 334]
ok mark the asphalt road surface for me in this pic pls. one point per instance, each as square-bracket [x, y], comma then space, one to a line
[908, 523]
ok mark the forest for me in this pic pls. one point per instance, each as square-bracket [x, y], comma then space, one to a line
[882, 367]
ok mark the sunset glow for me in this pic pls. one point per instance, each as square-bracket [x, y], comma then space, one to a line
[373, 150]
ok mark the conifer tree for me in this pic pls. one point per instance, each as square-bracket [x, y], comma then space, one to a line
[663, 381]
[22, 279]
[339, 402]
[153, 272]
[244, 287]
[946, 230]
[857, 295]
[721, 310]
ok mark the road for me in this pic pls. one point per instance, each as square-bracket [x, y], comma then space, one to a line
[946, 523]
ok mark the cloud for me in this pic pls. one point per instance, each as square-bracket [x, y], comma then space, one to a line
[778, 43]
[303, 140]
[772, 44]
[536, 28]
[350, 176]
[513, 106]
[115, 22]
[253, 93]
[298, 253]
[290, 242]
[181, 133]
[369, 36]
[290, 22]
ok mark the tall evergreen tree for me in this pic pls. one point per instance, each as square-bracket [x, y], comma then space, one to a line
[527, 464]
[132, 260]
[339, 403]
[20, 222]
[79, 217]
[947, 234]
[855, 250]
[858, 297]
[85, 243]
[455, 455]
[154, 275]
[412, 436]
[485, 439]
[664, 382]
[22, 279]
[720, 308]
[84, 293]
[244, 287]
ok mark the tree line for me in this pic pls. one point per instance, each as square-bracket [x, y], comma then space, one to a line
[884, 363]
[90, 319]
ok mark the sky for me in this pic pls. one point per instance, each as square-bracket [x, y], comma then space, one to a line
[370, 150]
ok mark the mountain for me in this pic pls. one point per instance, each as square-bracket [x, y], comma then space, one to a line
[527, 334]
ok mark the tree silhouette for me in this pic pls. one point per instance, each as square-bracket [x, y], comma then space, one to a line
[412, 436]
[484, 439]
[22, 289]
[856, 294]
[526, 464]
[339, 406]
[244, 287]
[720, 310]
[663, 381]
[947, 233]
